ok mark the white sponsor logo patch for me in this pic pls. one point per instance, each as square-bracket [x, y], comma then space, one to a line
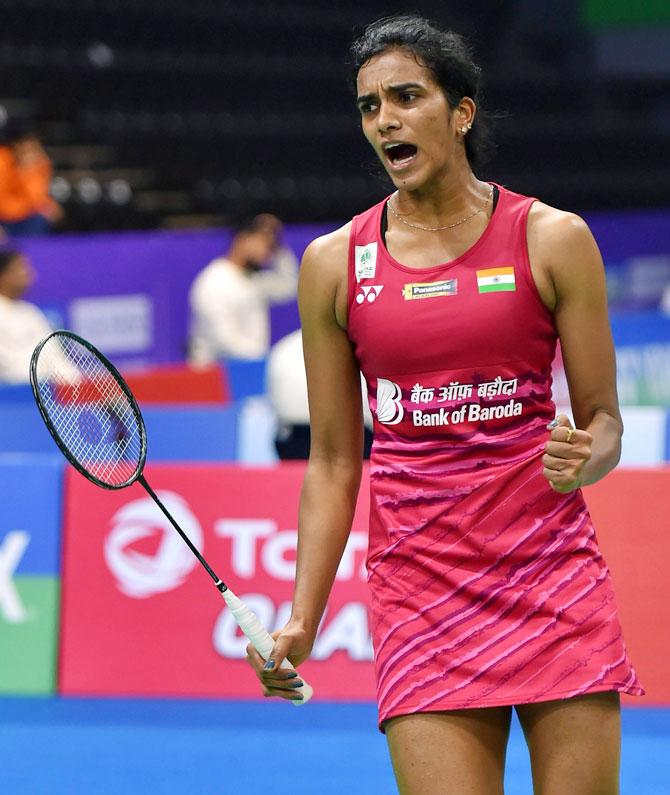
[429, 289]
[139, 574]
[390, 410]
[366, 261]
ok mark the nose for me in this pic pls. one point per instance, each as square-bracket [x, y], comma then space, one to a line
[386, 118]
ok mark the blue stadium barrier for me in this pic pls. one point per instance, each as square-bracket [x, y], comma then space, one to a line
[31, 495]
[188, 433]
[16, 393]
[175, 433]
[642, 341]
[245, 378]
[22, 429]
[640, 328]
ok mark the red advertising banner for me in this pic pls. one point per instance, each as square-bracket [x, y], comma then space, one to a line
[141, 616]
[630, 510]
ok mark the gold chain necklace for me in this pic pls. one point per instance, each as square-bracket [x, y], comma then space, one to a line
[440, 228]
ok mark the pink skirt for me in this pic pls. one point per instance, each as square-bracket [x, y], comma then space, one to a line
[488, 591]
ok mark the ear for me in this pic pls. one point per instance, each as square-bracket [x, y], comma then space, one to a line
[464, 115]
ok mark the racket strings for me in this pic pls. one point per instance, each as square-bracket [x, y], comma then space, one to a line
[87, 423]
[92, 415]
[96, 433]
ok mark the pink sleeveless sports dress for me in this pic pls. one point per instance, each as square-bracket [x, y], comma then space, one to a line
[487, 587]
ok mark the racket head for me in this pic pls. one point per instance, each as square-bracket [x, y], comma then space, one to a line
[89, 410]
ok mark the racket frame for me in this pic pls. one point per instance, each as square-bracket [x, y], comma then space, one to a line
[34, 384]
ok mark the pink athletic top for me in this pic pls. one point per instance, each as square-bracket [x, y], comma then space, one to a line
[487, 586]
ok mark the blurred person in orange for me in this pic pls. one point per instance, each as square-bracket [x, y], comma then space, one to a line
[26, 208]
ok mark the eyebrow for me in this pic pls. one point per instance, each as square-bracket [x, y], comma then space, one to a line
[395, 89]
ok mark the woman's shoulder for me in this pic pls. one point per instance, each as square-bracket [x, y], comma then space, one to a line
[333, 245]
[543, 218]
[328, 254]
[561, 246]
[323, 273]
[549, 223]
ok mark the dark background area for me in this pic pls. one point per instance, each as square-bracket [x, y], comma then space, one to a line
[164, 113]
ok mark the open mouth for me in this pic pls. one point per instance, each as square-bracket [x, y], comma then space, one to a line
[400, 154]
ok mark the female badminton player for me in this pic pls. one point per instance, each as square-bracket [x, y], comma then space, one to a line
[488, 590]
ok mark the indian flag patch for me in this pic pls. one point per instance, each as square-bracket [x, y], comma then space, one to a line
[496, 280]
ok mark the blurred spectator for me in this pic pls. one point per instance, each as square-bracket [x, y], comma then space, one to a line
[22, 325]
[287, 390]
[664, 305]
[230, 298]
[26, 208]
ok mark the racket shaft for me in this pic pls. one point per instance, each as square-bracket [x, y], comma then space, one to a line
[260, 638]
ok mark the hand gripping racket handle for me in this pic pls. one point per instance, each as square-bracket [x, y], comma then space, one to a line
[260, 638]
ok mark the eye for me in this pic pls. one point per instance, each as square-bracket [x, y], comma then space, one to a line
[406, 97]
[366, 107]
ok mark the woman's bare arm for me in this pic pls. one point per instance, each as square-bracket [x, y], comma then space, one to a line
[333, 473]
[572, 284]
[332, 479]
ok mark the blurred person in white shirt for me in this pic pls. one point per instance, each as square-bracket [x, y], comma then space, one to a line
[22, 324]
[230, 298]
[286, 383]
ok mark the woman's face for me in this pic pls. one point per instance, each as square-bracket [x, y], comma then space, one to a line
[406, 119]
[258, 247]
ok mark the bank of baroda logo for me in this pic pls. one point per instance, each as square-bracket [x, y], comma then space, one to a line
[390, 410]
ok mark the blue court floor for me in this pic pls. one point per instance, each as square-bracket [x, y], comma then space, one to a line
[71, 746]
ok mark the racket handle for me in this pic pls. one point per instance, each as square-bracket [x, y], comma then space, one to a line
[260, 638]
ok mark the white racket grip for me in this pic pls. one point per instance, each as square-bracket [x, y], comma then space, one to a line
[261, 639]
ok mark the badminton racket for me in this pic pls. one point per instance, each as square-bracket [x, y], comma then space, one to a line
[96, 422]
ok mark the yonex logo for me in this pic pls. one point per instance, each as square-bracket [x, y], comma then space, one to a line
[369, 293]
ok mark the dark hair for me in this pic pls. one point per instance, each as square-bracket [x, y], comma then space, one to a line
[7, 256]
[444, 53]
[248, 224]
